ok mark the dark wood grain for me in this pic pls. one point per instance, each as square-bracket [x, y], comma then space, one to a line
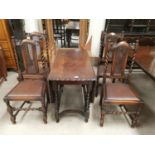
[145, 58]
[72, 65]
[3, 70]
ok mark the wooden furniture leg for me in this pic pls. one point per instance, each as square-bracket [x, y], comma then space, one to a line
[57, 100]
[10, 110]
[89, 86]
[44, 110]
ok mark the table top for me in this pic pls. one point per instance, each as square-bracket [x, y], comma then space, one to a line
[72, 65]
[145, 58]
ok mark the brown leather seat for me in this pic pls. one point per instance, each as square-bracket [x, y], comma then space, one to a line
[118, 93]
[27, 88]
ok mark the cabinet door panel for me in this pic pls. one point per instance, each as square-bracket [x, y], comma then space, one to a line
[2, 31]
[4, 45]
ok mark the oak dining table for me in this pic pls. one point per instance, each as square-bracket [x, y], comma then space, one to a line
[72, 67]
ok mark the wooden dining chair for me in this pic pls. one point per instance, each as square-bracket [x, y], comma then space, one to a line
[32, 87]
[108, 40]
[120, 93]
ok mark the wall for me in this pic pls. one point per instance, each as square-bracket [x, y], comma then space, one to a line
[95, 28]
[32, 25]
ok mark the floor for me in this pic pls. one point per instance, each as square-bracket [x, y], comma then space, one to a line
[31, 122]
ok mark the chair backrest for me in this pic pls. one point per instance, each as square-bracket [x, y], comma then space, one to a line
[108, 40]
[40, 41]
[41, 45]
[29, 56]
[120, 54]
[33, 69]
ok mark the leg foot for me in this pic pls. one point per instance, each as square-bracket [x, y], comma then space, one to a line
[102, 120]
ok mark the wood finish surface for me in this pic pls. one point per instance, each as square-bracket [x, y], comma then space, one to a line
[6, 44]
[145, 58]
[71, 65]
[3, 70]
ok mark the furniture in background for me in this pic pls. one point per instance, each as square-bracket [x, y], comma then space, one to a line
[72, 32]
[119, 93]
[3, 70]
[59, 31]
[134, 29]
[72, 67]
[32, 87]
[6, 44]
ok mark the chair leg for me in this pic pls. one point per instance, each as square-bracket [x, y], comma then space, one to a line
[102, 117]
[113, 80]
[97, 85]
[44, 110]
[87, 103]
[48, 97]
[135, 121]
[57, 101]
[10, 110]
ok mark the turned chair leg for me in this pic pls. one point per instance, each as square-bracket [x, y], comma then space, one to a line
[102, 120]
[102, 117]
[113, 80]
[97, 85]
[135, 121]
[48, 97]
[10, 111]
[44, 110]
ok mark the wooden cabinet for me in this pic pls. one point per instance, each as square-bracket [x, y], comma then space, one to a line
[6, 44]
[3, 71]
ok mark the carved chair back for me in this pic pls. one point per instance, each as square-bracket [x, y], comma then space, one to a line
[29, 55]
[109, 40]
[120, 53]
[41, 44]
